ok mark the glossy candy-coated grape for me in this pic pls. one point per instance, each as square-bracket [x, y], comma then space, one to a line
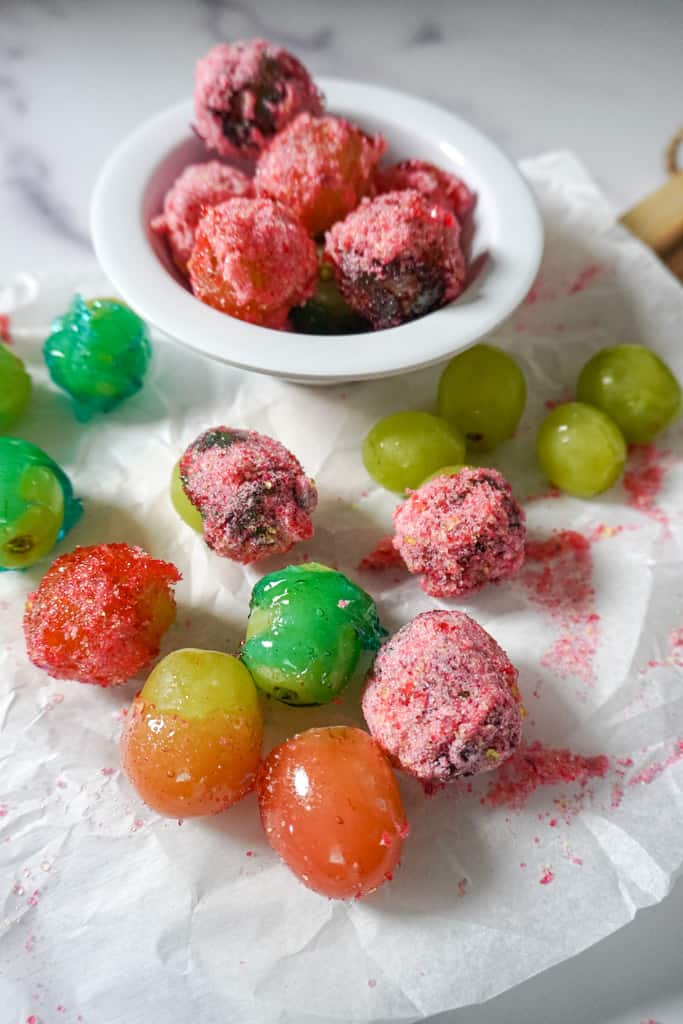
[307, 628]
[98, 352]
[483, 392]
[192, 740]
[37, 506]
[182, 504]
[634, 387]
[332, 810]
[327, 312]
[15, 388]
[580, 449]
[405, 447]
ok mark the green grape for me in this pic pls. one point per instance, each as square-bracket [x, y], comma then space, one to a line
[483, 392]
[445, 471]
[196, 684]
[326, 312]
[634, 387]
[15, 388]
[580, 449]
[182, 504]
[404, 448]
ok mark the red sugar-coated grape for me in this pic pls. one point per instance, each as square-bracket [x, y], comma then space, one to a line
[396, 257]
[319, 167]
[247, 91]
[460, 532]
[332, 810]
[435, 184]
[99, 613]
[198, 187]
[254, 498]
[442, 698]
[253, 260]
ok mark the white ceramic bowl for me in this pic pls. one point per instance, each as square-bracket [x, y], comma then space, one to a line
[506, 246]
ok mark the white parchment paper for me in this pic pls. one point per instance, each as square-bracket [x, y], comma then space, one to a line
[113, 914]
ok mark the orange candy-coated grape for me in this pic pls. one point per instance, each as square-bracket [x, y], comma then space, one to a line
[192, 741]
[332, 810]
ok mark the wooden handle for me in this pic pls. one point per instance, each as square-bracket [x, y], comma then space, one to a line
[658, 219]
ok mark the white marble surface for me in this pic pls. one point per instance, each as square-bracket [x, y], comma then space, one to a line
[597, 76]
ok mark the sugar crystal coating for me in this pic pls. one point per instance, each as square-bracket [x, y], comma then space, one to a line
[246, 92]
[37, 504]
[99, 613]
[253, 260]
[460, 532]
[98, 352]
[319, 167]
[435, 184]
[253, 495]
[397, 257]
[198, 187]
[442, 698]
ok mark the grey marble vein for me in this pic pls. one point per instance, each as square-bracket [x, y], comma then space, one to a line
[259, 25]
[426, 34]
[28, 174]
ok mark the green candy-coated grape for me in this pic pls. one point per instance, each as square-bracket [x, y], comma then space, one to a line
[37, 505]
[483, 392]
[15, 388]
[634, 387]
[307, 627]
[404, 448]
[196, 684]
[98, 352]
[182, 504]
[445, 471]
[580, 449]
[326, 312]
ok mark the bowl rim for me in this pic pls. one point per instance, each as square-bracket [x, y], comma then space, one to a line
[120, 239]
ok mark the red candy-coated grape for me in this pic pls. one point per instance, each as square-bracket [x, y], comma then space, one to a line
[99, 613]
[332, 810]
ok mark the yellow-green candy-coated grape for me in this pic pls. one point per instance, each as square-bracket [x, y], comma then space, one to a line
[196, 684]
[483, 392]
[634, 387]
[15, 388]
[182, 504]
[580, 449]
[405, 447]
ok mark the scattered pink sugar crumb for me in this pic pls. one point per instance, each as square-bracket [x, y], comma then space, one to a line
[604, 532]
[522, 863]
[107, 771]
[586, 277]
[61, 1009]
[3, 810]
[34, 898]
[121, 714]
[547, 877]
[534, 293]
[643, 480]
[533, 766]
[29, 944]
[32, 1019]
[552, 403]
[248, 853]
[558, 576]
[384, 556]
[552, 492]
[18, 889]
[617, 795]
[656, 768]
[372, 982]
[5, 335]
[137, 824]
